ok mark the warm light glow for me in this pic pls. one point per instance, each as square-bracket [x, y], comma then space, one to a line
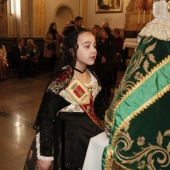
[139, 17]
[18, 8]
[150, 16]
[12, 7]
[18, 129]
[144, 17]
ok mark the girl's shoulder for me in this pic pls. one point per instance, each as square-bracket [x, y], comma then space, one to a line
[61, 80]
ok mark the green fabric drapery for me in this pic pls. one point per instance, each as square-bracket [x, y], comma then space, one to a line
[138, 110]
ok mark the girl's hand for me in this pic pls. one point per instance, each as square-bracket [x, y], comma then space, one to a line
[44, 165]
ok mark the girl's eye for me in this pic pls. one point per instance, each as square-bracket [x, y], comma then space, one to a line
[94, 46]
[87, 46]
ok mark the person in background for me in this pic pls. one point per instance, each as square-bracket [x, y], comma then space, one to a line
[117, 60]
[32, 53]
[52, 44]
[138, 119]
[68, 24]
[71, 111]
[78, 22]
[95, 29]
[3, 61]
[105, 24]
[19, 57]
[103, 66]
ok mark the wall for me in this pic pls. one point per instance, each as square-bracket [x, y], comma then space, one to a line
[115, 19]
[3, 19]
[36, 16]
[53, 5]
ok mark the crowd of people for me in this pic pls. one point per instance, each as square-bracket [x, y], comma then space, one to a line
[25, 56]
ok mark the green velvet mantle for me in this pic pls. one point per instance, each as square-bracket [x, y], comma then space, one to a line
[138, 118]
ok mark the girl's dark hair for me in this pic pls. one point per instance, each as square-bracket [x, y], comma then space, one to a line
[68, 50]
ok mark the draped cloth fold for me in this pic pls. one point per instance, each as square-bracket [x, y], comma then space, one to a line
[137, 118]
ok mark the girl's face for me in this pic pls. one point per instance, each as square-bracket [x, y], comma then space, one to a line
[86, 52]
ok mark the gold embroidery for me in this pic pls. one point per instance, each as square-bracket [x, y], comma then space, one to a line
[117, 166]
[140, 109]
[79, 92]
[110, 121]
[148, 152]
[108, 163]
[129, 87]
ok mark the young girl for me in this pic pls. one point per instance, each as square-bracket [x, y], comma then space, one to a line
[71, 110]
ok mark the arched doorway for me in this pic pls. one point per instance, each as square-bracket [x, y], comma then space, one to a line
[63, 14]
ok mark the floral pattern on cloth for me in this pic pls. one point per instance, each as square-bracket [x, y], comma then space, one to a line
[145, 150]
[146, 60]
[137, 121]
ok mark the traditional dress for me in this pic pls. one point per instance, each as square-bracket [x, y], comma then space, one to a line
[138, 119]
[69, 116]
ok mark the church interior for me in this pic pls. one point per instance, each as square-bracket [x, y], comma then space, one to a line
[20, 99]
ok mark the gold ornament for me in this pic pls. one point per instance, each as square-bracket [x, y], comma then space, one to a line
[169, 6]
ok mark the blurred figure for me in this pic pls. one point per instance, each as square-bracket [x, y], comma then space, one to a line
[118, 53]
[3, 61]
[96, 31]
[78, 22]
[33, 53]
[68, 24]
[105, 51]
[105, 24]
[19, 57]
[52, 44]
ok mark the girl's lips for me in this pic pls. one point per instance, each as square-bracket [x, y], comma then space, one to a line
[93, 57]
